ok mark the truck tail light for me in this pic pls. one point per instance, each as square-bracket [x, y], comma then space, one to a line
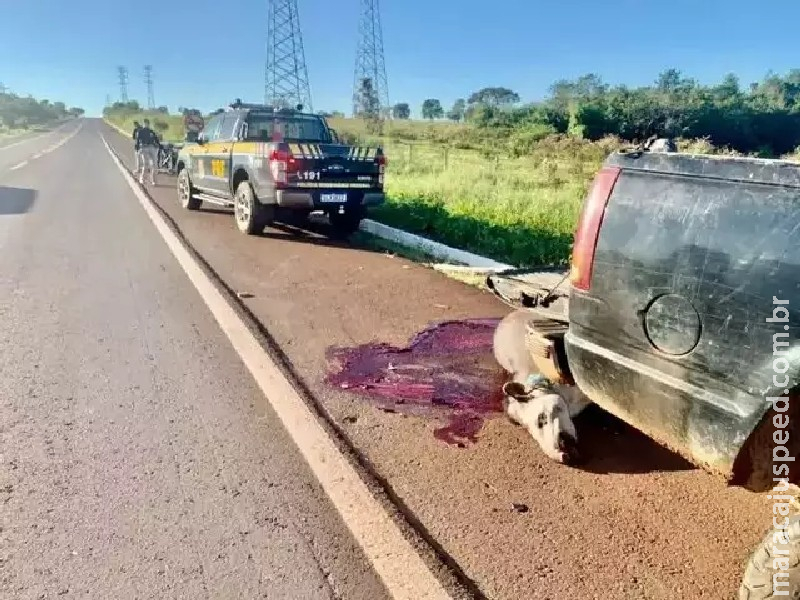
[380, 160]
[589, 227]
[281, 163]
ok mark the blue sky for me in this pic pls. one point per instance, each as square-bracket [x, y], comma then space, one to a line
[204, 55]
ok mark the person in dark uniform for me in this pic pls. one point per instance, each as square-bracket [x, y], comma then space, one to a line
[148, 147]
[136, 128]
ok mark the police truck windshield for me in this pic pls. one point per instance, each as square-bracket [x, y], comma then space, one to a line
[276, 127]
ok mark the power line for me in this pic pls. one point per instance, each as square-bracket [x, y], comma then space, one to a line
[122, 74]
[148, 81]
[370, 86]
[286, 76]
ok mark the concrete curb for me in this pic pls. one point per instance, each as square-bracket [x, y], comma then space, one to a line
[464, 260]
[435, 249]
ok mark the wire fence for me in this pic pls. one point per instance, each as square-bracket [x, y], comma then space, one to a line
[430, 157]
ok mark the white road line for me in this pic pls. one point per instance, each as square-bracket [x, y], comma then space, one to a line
[58, 145]
[402, 570]
[48, 150]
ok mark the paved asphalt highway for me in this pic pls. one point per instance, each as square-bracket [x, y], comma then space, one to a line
[139, 459]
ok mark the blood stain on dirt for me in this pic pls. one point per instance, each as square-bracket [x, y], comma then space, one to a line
[446, 372]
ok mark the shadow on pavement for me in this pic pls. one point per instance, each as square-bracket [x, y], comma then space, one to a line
[16, 201]
[613, 446]
[216, 211]
[315, 231]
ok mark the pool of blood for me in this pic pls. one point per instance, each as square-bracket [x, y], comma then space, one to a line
[447, 372]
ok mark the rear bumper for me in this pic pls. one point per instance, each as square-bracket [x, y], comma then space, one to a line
[705, 427]
[312, 200]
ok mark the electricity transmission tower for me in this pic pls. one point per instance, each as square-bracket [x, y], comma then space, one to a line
[2, 88]
[148, 81]
[286, 76]
[122, 74]
[370, 87]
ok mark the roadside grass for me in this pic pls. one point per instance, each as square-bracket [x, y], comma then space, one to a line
[520, 211]
[9, 135]
[170, 127]
[405, 130]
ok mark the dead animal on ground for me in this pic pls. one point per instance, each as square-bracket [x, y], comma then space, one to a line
[545, 409]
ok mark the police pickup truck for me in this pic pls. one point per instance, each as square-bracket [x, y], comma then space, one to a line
[682, 318]
[268, 163]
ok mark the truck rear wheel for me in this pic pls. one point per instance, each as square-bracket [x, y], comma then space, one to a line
[760, 581]
[251, 216]
[186, 191]
[346, 223]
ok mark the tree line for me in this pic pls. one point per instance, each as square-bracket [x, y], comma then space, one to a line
[762, 118]
[23, 112]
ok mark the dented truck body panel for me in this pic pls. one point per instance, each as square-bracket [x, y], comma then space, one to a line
[694, 254]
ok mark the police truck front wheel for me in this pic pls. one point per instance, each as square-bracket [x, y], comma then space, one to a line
[251, 216]
[773, 570]
[186, 192]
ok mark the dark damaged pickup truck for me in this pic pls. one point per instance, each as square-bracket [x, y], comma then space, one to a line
[682, 319]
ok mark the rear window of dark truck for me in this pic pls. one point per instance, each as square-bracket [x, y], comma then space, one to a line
[306, 128]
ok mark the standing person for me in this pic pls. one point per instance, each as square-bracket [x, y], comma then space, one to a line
[136, 128]
[148, 147]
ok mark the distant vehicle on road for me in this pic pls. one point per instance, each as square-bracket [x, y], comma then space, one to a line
[682, 318]
[268, 163]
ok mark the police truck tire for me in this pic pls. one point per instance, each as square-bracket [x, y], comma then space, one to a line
[186, 192]
[757, 583]
[345, 224]
[250, 215]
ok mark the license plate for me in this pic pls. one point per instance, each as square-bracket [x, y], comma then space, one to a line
[339, 198]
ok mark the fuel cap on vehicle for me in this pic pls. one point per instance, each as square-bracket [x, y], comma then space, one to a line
[672, 324]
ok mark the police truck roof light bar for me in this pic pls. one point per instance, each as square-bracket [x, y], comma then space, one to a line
[268, 107]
